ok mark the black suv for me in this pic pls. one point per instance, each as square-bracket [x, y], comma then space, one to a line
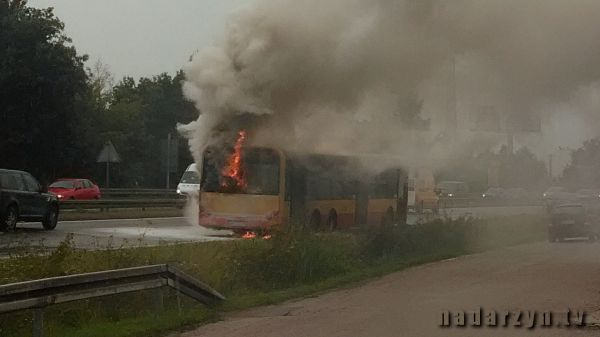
[573, 220]
[22, 198]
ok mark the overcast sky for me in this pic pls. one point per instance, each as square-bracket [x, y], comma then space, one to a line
[141, 37]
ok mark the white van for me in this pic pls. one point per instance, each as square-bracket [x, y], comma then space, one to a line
[190, 182]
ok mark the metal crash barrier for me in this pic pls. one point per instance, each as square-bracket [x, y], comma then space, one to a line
[39, 294]
[105, 205]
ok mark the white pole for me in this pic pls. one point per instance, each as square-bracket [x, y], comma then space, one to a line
[168, 160]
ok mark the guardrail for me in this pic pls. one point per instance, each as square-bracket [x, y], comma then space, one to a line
[104, 205]
[462, 202]
[116, 193]
[40, 294]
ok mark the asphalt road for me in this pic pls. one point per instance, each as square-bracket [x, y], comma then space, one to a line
[539, 277]
[91, 234]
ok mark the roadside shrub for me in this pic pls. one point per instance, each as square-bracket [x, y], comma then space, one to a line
[290, 258]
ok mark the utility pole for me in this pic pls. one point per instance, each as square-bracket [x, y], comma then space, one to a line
[453, 120]
[510, 142]
[168, 160]
[107, 184]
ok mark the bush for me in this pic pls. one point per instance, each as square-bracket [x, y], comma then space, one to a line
[289, 259]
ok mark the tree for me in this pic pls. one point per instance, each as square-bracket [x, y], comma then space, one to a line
[520, 169]
[584, 169]
[138, 119]
[43, 86]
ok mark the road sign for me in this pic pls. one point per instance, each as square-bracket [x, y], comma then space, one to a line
[108, 154]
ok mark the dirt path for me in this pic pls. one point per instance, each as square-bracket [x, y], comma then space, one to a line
[542, 277]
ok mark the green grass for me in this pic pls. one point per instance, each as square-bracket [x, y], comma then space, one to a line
[249, 273]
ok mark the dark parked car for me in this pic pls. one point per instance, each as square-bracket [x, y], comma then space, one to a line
[22, 199]
[572, 220]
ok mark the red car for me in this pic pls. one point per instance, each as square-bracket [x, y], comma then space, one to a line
[74, 189]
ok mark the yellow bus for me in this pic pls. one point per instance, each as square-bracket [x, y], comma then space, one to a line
[422, 191]
[259, 188]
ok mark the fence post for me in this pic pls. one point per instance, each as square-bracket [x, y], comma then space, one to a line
[159, 301]
[38, 322]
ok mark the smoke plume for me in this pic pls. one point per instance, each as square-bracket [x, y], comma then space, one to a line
[357, 76]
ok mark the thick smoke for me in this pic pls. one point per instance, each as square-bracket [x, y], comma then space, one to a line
[352, 76]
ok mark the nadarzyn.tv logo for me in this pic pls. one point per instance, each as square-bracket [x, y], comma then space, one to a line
[520, 318]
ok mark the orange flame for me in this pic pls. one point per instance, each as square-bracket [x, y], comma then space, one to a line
[233, 170]
[249, 236]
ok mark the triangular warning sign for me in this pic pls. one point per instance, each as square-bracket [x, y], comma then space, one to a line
[108, 154]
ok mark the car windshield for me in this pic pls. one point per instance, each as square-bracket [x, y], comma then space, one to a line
[452, 187]
[63, 184]
[568, 210]
[190, 177]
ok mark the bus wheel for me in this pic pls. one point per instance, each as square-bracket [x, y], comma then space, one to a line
[332, 220]
[388, 219]
[315, 220]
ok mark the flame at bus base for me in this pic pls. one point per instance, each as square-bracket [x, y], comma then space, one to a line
[233, 173]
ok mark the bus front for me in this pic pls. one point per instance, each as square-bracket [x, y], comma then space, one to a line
[242, 189]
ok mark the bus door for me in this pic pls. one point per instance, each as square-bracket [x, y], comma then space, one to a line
[362, 204]
[296, 194]
[403, 196]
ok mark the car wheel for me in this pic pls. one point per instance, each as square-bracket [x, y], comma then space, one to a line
[10, 218]
[51, 218]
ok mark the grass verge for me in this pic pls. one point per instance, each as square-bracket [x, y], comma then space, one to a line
[250, 273]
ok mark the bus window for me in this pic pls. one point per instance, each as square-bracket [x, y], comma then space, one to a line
[411, 185]
[384, 186]
[319, 188]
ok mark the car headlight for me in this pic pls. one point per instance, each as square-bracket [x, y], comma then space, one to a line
[60, 196]
[450, 195]
[178, 191]
[483, 195]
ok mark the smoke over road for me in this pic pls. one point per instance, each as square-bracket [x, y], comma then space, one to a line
[344, 76]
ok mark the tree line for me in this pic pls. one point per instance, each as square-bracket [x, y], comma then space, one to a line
[56, 114]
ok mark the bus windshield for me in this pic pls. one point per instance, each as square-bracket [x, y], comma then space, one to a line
[258, 172]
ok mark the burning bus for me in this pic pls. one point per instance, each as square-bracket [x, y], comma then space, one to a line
[254, 189]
